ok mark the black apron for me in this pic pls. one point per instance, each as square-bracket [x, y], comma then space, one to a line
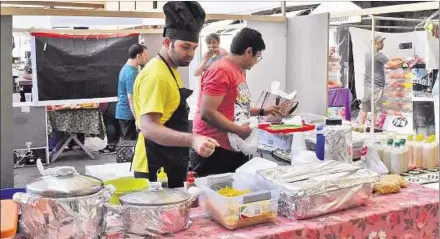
[173, 159]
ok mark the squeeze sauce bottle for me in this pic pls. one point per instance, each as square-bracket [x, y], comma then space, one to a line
[162, 177]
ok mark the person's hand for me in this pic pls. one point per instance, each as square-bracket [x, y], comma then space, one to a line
[273, 110]
[223, 52]
[244, 131]
[208, 55]
[204, 146]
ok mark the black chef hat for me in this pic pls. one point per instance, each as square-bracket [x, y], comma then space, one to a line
[183, 20]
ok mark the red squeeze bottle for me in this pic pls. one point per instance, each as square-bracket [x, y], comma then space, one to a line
[190, 179]
[190, 183]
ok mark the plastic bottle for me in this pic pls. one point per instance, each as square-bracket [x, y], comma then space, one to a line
[162, 177]
[410, 145]
[396, 159]
[190, 183]
[387, 154]
[404, 149]
[436, 144]
[418, 152]
[320, 142]
[428, 153]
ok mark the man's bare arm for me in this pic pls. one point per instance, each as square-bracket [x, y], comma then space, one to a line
[210, 114]
[130, 102]
[152, 129]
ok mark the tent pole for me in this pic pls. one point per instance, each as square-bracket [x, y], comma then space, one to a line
[283, 8]
[373, 61]
[394, 19]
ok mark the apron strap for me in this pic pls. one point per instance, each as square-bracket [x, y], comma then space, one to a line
[169, 68]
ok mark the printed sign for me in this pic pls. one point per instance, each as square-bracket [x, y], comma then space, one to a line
[399, 124]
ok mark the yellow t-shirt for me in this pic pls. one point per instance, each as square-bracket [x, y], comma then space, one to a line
[154, 91]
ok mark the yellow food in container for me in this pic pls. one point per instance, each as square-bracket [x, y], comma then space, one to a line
[238, 200]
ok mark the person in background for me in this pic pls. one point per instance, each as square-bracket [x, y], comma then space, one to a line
[213, 54]
[159, 100]
[112, 127]
[224, 97]
[138, 57]
[381, 61]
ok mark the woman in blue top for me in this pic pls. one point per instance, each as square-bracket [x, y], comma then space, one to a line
[214, 53]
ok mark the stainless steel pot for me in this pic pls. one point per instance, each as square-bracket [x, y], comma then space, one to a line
[156, 211]
[63, 204]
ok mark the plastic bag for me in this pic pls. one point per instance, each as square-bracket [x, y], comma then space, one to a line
[371, 159]
[249, 145]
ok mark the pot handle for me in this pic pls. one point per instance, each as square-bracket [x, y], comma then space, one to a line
[63, 171]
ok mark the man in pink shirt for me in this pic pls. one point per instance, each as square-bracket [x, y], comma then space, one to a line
[224, 98]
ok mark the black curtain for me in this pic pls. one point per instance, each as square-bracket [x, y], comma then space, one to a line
[80, 67]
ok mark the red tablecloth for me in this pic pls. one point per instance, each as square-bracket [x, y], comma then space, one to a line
[410, 214]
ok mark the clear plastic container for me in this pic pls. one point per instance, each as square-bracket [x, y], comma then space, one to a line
[260, 205]
[410, 144]
[418, 152]
[429, 154]
[387, 154]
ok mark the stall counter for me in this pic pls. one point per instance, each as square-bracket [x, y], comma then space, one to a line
[412, 213]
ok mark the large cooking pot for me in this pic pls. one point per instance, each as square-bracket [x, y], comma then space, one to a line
[63, 204]
[156, 211]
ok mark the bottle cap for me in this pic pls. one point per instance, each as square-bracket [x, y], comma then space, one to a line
[396, 144]
[161, 174]
[419, 138]
[410, 138]
[390, 142]
[402, 141]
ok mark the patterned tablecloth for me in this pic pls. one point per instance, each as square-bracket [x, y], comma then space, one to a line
[88, 121]
[410, 214]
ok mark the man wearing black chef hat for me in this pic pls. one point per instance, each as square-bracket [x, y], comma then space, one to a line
[159, 100]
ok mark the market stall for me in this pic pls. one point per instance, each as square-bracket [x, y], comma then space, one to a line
[412, 212]
[76, 119]
[320, 193]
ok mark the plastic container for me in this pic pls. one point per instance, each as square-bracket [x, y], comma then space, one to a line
[436, 146]
[399, 158]
[418, 152]
[387, 154]
[258, 206]
[162, 177]
[126, 185]
[9, 219]
[429, 154]
[410, 145]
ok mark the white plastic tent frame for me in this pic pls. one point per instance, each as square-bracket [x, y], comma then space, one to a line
[371, 13]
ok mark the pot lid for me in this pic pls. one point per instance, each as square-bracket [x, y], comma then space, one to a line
[155, 197]
[64, 182]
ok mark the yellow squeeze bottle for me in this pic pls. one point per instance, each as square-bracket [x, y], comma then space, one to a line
[162, 177]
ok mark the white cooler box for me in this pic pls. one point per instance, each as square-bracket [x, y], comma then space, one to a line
[279, 141]
[110, 171]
